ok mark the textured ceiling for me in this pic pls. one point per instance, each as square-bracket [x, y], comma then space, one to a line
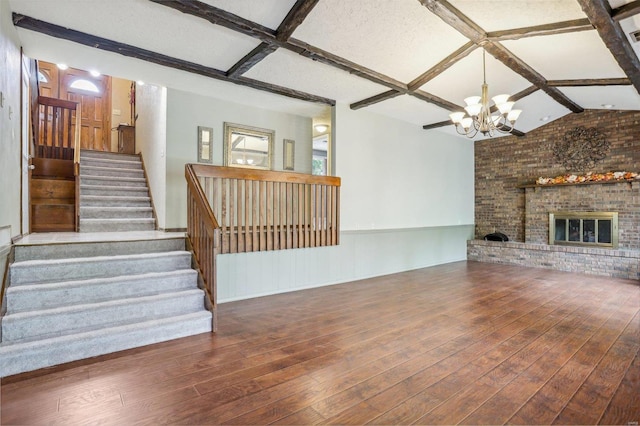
[392, 42]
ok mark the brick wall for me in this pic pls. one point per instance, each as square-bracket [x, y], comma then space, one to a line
[504, 163]
[584, 260]
[622, 197]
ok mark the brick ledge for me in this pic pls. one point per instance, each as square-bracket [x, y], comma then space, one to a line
[556, 248]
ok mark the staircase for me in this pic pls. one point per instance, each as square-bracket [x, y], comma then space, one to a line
[114, 196]
[71, 301]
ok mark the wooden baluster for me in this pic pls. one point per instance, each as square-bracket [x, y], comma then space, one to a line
[276, 215]
[300, 215]
[269, 224]
[318, 221]
[54, 127]
[288, 219]
[247, 217]
[263, 215]
[294, 214]
[255, 202]
[232, 227]
[239, 211]
[47, 132]
[70, 143]
[323, 218]
[283, 215]
[224, 218]
[312, 211]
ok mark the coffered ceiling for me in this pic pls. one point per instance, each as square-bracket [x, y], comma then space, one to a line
[415, 60]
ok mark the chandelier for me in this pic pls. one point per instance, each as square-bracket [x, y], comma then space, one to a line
[479, 110]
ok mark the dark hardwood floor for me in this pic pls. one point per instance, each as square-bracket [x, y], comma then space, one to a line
[467, 343]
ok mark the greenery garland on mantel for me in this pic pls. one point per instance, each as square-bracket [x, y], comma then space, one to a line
[586, 179]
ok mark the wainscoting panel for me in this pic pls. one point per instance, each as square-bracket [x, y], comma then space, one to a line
[361, 254]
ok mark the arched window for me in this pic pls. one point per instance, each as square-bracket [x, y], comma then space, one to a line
[42, 78]
[84, 85]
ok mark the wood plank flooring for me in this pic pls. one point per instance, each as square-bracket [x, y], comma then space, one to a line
[463, 343]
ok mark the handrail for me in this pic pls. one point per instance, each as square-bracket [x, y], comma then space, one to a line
[76, 163]
[260, 210]
[203, 236]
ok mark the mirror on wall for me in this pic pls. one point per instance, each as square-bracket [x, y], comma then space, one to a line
[247, 146]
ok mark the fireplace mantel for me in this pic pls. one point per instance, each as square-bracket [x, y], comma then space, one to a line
[553, 185]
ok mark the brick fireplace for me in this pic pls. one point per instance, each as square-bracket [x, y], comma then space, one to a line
[506, 200]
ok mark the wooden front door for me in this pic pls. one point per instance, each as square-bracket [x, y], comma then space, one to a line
[93, 92]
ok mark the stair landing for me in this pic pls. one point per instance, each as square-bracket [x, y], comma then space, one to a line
[40, 238]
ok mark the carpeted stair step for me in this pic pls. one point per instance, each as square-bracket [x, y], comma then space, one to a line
[77, 318]
[24, 298]
[107, 171]
[27, 356]
[114, 201]
[41, 271]
[112, 163]
[101, 248]
[102, 212]
[89, 179]
[124, 191]
[88, 154]
[117, 224]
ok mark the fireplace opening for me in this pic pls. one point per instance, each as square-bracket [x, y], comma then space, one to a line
[584, 229]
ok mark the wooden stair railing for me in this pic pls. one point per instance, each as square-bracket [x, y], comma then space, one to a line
[54, 166]
[233, 210]
[202, 238]
[56, 138]
[260, 210]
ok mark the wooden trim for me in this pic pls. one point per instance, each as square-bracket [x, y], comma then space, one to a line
[541, 30]
[590, 82]
[253, 29]
[294, 18]
[599, 13]
[442, 66]
[523, 93]
[210, 299]
[437, 125]
[260, 52]
[505, 56]
[55, 102]
[433, 99]
[389, 94]
[626, 11]
[456, 19]
[261, 175]
[57, 31]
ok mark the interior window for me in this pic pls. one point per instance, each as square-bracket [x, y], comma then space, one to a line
[84, 85]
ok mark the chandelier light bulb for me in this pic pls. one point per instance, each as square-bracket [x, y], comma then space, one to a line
[505, 107]
[513, 115]
[473, 110]
[456, 117]
[500, 99]
[472, 100]
[466, 123]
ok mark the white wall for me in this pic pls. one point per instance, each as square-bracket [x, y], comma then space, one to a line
[151, 142]
[186, 111]
[406, 203]
[397, 175]
[10, 147]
